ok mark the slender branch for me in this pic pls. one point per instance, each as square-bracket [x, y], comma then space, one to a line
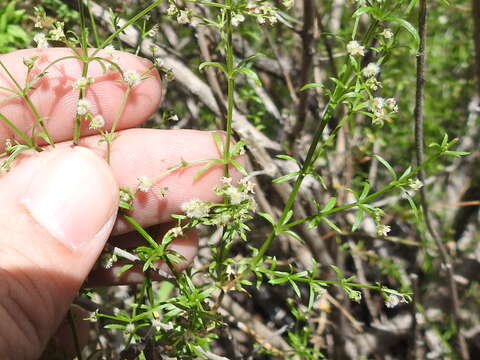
[476, 39]
[418, 115]
[309, 13]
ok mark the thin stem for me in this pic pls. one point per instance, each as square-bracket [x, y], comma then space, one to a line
[127, 24]
[418, 115]
[94, 25]
[33, 109]
[230, 88]
[71, 322]
[83, 95]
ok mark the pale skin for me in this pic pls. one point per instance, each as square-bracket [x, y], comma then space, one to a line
[59, 206]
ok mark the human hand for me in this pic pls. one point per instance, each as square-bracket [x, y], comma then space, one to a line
[59, 206]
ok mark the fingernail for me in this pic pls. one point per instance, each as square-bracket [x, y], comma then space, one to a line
[72, 196]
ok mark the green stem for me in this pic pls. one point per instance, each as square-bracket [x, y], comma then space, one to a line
[19, 132]
[33, 109]
[230, 86]
[71, 322]
[367, 199]
[94, 25]
[83, 94]
[127, 24]
[310, 159]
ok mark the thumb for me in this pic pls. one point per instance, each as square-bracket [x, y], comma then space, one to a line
[58, 208]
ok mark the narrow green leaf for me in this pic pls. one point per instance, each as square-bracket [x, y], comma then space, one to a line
[331, 225]
[213, 64]
[124, 268]
[239, 167]
[285, 157]
[205, 168]
[407, 26]
[311, 86]
[250, 73]
[358, 219]
[141, 231]
[285, 177]
[330, 204]
[387, 166]
[365, 191]
[295, 288]
[293, 235]
[15, 129]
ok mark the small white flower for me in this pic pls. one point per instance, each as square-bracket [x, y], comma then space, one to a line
[57, 32]
[172, 10]
[8, 145]
[288, 3]
[108, 260]
[93, 317]
[158, 62]
[153, 31]
[355, 295]
[97, 122]
[235, 195]
[252, 205]
[392, 301]
[196, 208]
[247, 185]
[354, 48]
[176, 231]
[222, 219]
[377, 104]
[183, 17]
[173, 118]
[391, 104]
[41, 41]
[252, 8]
[125, 196]
[144, 183]
[383, 230]
[237, 19]
[370, 70]
[30, 62]
[226, 180]
[387, 33]
[443, 19]
[83, 106]
[82, 83]
[415, 184]
[109, 49]
[131, 77]
[129, 329]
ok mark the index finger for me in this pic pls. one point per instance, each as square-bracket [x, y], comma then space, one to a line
[55, 98]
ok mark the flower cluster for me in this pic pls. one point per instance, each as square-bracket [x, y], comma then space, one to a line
[370, 70]
[383, 230]
[387, 33]
[131, 77]
[354, 48]
[144, 183]
[263, 11]
[382, 109]
[41, 41]
[57, 33]
[237, 19]
[196, 209]
[96, 122]
[83, 107]
[83, 82]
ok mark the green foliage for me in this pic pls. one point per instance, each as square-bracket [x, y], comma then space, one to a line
[12, 34]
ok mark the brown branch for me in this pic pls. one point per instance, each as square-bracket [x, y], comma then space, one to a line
[476, 40]
[418, 115]
[309, 13]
